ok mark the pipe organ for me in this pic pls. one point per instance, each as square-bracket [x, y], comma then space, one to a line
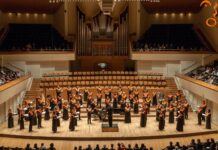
[102, 35]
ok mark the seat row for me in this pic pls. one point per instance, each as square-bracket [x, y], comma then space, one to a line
[92, 73]
[100, 78]
[103, 83]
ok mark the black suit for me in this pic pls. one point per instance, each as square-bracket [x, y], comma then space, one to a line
[110, 116]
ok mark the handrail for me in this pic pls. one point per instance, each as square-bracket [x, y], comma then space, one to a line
[172, 52]
[35, 52]
[199, 82]
[14, 82]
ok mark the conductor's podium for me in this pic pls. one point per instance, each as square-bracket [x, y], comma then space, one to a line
[105, 127]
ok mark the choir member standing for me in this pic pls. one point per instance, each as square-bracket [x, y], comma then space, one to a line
[10, 119]
[143, 121]
[69, 93]
[161, 121]
[136, 106]
[54, 122]
[47, 113]
[171, 114]
[39, 117]
[127, 114]
[208, 119]
[179, 125]
[154, 99]
[30, 114]
[58, 91]
[72, 122]
[99, 97]
[89, 114]
[110, 115]
[34, 117]
[115, 100]
[199, 115]
[21, 118]
[65, 112]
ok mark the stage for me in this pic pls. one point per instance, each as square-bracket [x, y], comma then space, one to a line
[93, 132]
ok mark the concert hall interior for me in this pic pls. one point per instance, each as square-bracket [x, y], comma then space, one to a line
[108, 74]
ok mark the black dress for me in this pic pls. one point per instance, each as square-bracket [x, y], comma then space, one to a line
[58, 119]
[10, 120]
[30, 122]
[115, 103]
[72, 123]
[171, 116]
[136, 108]
[179, 125]
[154, 101]
[143, 120]
[39, 117]
[208, 121]
[21, 122]
[199, 117]
[54, 124]
[127, 117]
[34, 119]
[161, 122]
[47, 114]
[65, 114]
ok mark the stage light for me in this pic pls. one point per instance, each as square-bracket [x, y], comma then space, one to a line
[18, 14]
[165, 14]
[10, 14]
[157, 15]
[189, 14]
[44, 15]
[181, 15]
[35, 15]
[173, 14]
[27, 15]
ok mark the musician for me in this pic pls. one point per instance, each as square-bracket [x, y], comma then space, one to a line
[39, 117]
[171, 114]
[170, 98]
[136, 93]
[77, 89]
[99, 98]
[86, 91]
[158, 108]
[110, 93]
[122, 105]
[110, 115]
[161, 121]
[199, 115]
[69, 92]
[179, 125]
[21, 118]
[47, 113]
[107, 102]
[186, 105]
[53, 103]
[19, 108]
[72, 122]
[59, 102]
[34, 116]
[131, 100]
[78, 109]
[115, 100]
[54, 122]
[143, 121]
[10, 119]
[208, 119]
[127, 113]
[178, 95]
[72, 102]
[136, 106]
[154, 98]
[65, 112]
[99, 89]
[75, 114]
[39, 103]
[89, 114]
[58, 91]
[30, 114]
[204, 107]
[57, 111]
[89, 100]
[130, 88]
[120, 92]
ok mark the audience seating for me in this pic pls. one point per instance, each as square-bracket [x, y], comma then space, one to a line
[106, 78]
[172, 37]
[208, 73]
[33, 37]
[7, 75]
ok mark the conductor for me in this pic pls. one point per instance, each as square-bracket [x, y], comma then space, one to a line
[110, 115]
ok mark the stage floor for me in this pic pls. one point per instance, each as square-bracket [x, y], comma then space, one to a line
[93, 132]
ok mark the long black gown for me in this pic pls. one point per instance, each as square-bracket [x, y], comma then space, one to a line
[199, 117]
[161, 122]
[65, 114]
[10, 120]
[34, 121]
[21, 121]
[208, 121]
[127, 117]
[143, 121]
[136, 108]
[30, 122]
[154, 101]
[72, 123]
[171, 116]
[115, 101]
[47, 114]
[179, 125]
[58, 119]
[54, 124]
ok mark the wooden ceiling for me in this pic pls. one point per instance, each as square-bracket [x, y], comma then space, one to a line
[30, 6]
[173, 6]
